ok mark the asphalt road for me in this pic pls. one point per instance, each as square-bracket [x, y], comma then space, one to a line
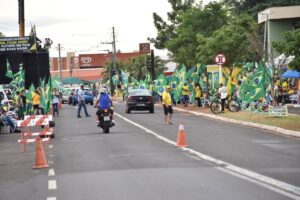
[138, 160]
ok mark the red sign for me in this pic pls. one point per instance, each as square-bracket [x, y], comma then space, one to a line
[220, 59]
[144, 47]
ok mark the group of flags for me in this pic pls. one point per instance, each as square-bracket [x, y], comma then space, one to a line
[46, 89]
[253, 88]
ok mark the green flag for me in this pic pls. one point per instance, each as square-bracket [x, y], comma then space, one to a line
[159, 84]
[30, 92]
[48, 95]
[142, 84]
[9, 72]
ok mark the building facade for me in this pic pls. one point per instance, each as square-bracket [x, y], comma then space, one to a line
[86, 66]
[278, 20]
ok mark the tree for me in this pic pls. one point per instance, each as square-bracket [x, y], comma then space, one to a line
[290, 46]
[185, 22]
[166, 31]
[194, 21]
[1, 35]
[252, 7]
[234, 40]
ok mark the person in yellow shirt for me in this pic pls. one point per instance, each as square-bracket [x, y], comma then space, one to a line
[36, 100]
[198, 94]
[185, 94]
[167, 105]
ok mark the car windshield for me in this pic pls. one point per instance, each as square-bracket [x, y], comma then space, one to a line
[140, 92]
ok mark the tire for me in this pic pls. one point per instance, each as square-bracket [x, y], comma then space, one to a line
[151, 110]
[92, 103]
[106, 130]
[127, 110]
[216, 107]
[51, 124]
[234, 106]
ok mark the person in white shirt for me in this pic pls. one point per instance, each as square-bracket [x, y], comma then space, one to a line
[55, 103]
[81, 102]
[223, 94]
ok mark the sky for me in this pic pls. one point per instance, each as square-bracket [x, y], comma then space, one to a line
[83, 26]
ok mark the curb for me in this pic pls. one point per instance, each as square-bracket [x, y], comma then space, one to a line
[251, 124]
[293, 105]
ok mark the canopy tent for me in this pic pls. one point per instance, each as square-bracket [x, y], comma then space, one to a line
[291, 74]
[74, 80]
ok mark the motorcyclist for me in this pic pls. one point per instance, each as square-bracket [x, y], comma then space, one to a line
[104, 102]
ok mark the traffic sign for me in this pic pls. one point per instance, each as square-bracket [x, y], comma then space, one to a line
[220, 59]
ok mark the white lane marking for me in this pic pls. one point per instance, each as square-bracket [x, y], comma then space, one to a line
[50, 146]
[52, 185]
[275, 189]
[51, 198]
[267, 180]
[51, 172]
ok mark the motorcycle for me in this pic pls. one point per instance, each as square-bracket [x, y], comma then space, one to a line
[105, 120]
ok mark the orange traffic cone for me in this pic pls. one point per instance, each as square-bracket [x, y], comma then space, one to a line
[181, 142]
[60, 104]
[40, 158]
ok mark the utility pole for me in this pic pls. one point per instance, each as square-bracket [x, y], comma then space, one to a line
[114, 60]
[59, 63]
[21, 18]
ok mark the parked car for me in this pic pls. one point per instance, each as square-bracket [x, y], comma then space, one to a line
[65, 95]
[72, 93]
[88, 97]
[139, 99]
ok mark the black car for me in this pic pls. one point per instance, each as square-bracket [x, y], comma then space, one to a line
[139, 99]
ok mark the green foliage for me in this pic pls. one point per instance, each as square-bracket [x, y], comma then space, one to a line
[252, 7]
[290, 46]
[232, 40]
[165, 30]
[182, 44]
[136, 67]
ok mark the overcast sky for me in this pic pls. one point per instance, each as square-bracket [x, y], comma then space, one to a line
[83, 25]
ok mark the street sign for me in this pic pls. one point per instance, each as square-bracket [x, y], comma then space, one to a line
[220, 59]
[144, 47]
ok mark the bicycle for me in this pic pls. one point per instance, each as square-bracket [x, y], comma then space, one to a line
[231, 103]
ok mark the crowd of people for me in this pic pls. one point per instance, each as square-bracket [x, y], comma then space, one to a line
[23, 104]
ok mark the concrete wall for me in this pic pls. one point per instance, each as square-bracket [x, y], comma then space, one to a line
[276, 31]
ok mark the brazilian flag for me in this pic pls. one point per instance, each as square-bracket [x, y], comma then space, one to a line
[9, 72]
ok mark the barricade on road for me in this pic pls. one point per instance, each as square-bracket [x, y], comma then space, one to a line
[32, 121]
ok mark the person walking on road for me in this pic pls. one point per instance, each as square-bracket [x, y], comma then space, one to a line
[167, 105]
[81, 102]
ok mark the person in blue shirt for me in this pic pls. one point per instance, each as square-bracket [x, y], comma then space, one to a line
[104, 102]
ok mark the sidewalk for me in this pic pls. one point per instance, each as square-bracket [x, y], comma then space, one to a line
[245, 118]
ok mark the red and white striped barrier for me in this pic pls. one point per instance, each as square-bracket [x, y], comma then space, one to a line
[35, 120]
[32, 140]
[44, 133]
[31, 121]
